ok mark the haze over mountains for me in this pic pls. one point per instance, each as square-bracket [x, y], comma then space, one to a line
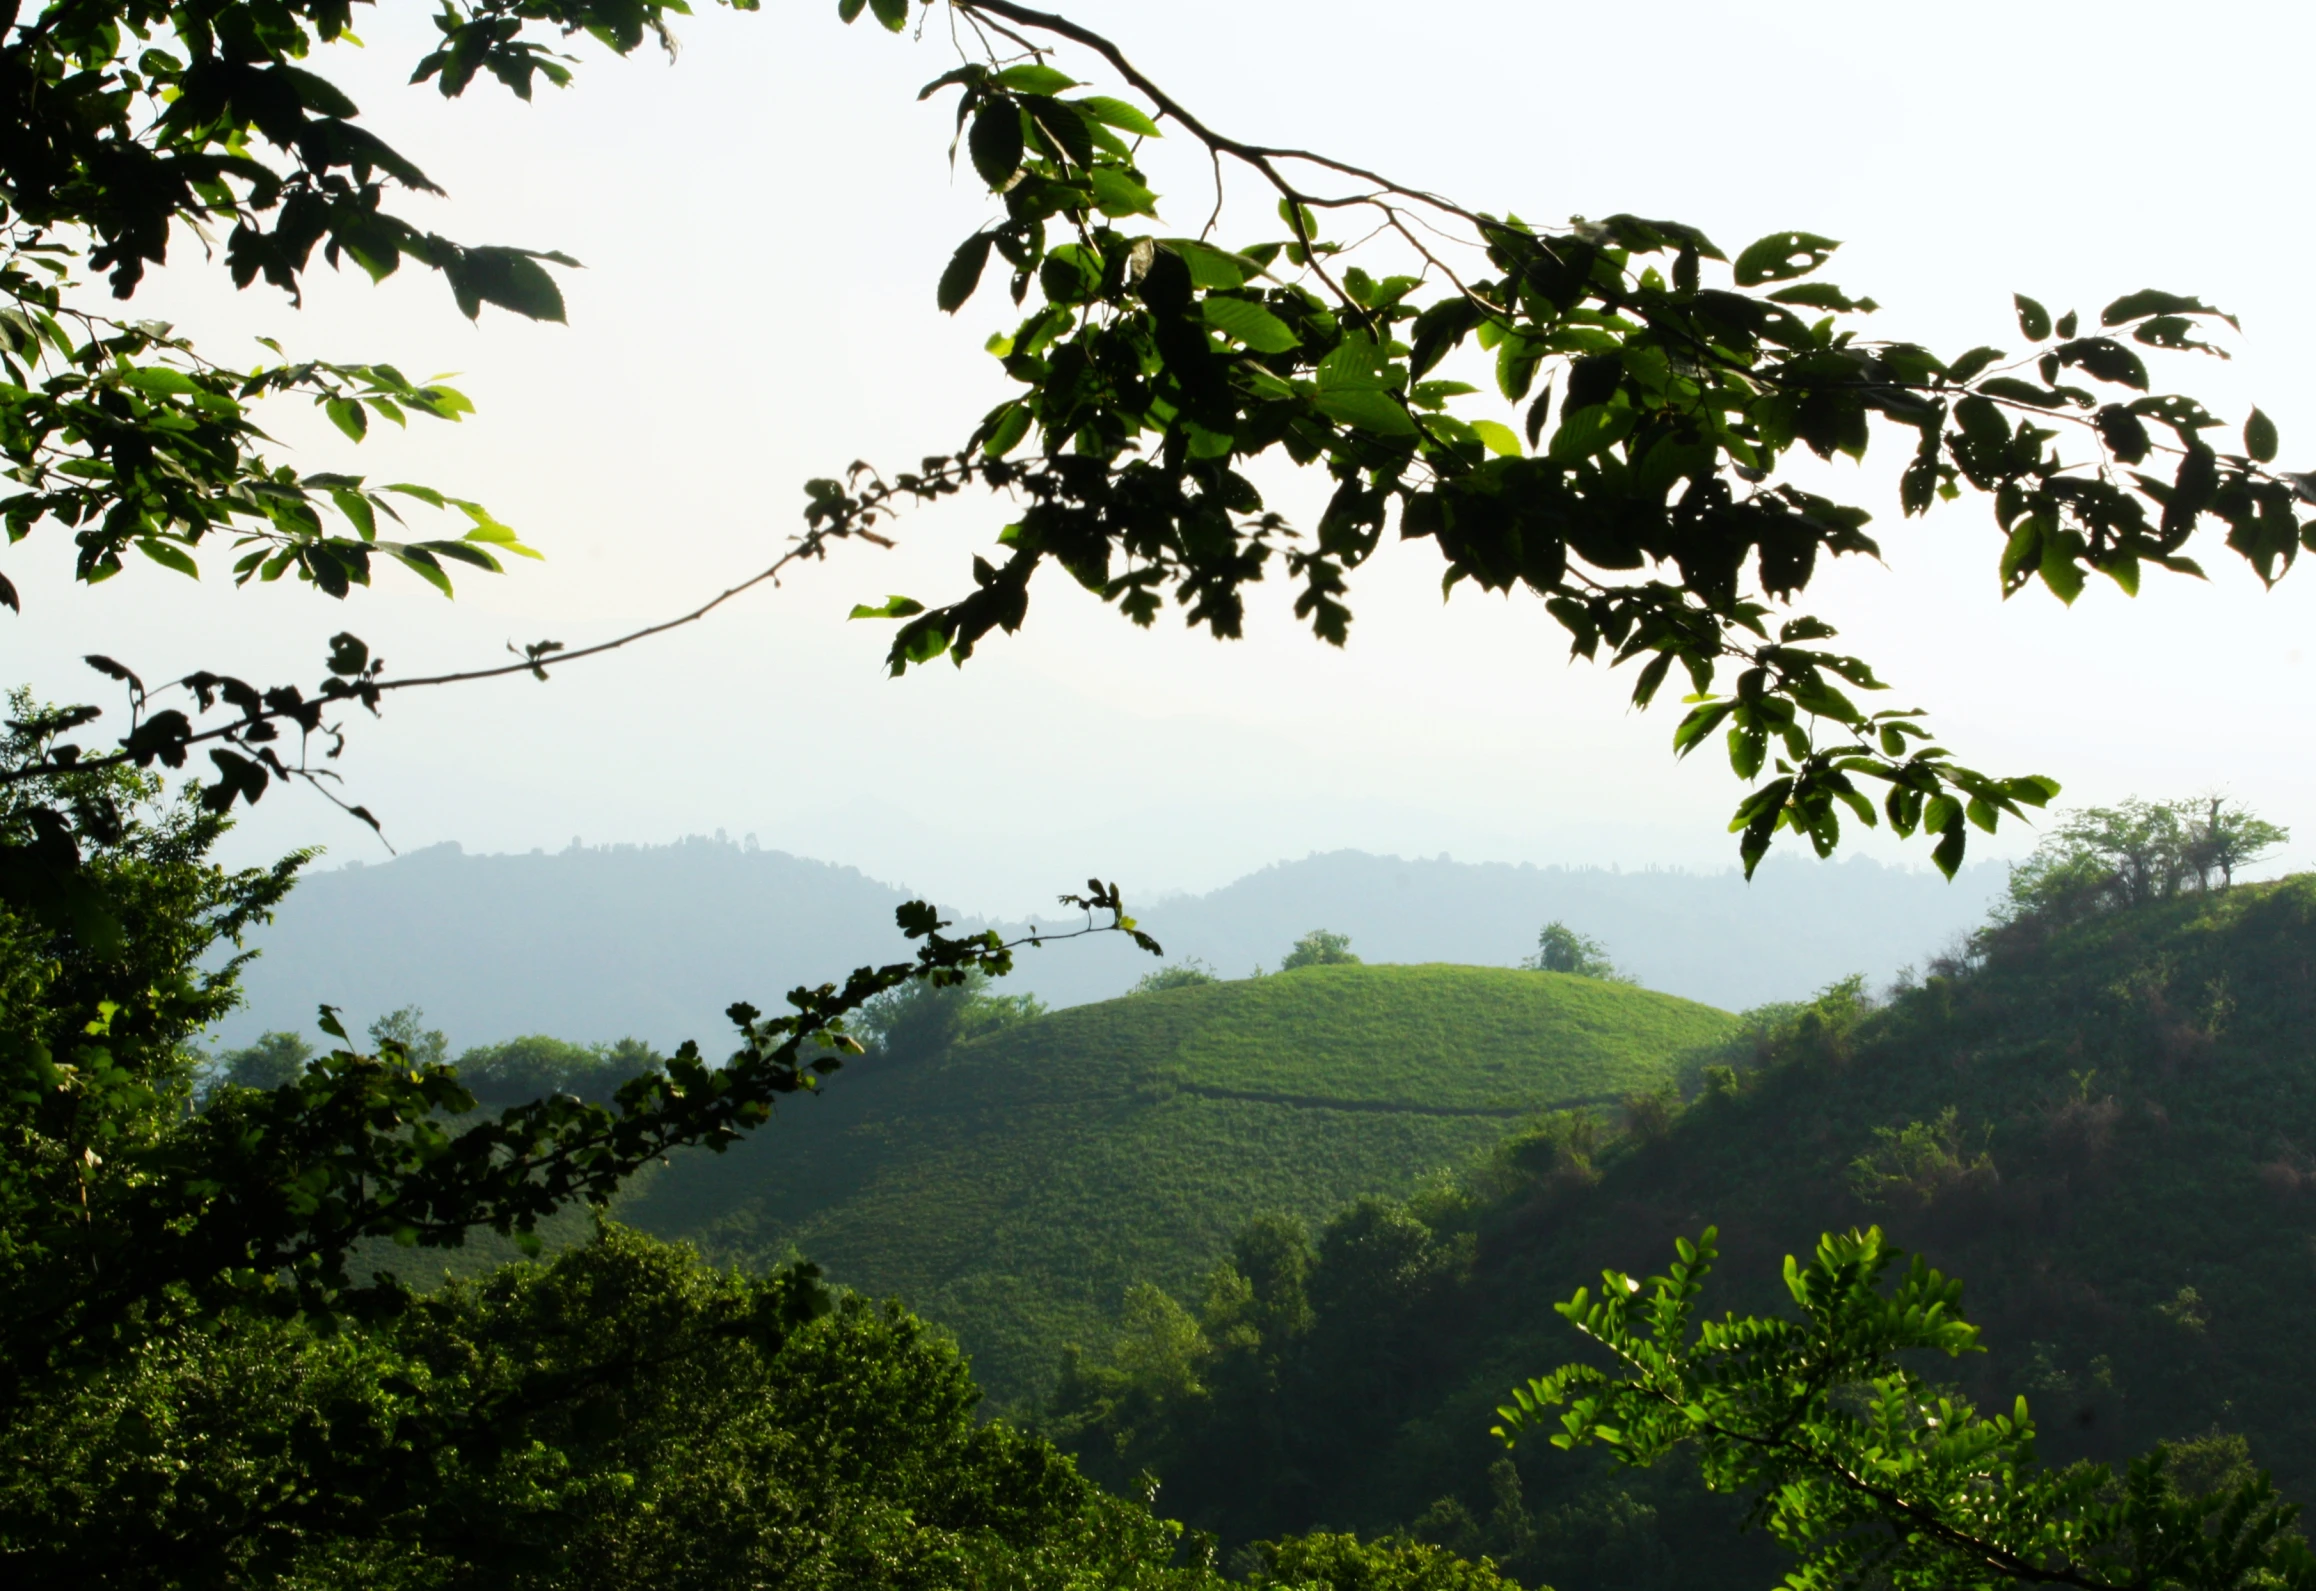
[593, 943]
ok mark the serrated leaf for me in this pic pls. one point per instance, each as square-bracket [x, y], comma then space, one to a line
[1117, 113]
[1117, 194]
[1497, 438]
[1035, 77]
[995, 143]
[1248, 323]
[1369, 408]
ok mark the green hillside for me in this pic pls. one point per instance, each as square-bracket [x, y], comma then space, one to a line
[1013, 1189]
[2108, 1131]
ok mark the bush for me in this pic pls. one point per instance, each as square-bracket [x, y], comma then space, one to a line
[537, 1067]
[1326, 1561]
[1188, 974]
[273, 1061]
[1917, 1165]
[1319, 948]
[923, 1021]
[1560, 948]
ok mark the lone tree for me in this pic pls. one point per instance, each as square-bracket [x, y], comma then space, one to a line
[1560, 948]
[1319, 948]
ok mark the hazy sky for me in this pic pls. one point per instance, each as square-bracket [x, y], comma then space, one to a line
[762, 224]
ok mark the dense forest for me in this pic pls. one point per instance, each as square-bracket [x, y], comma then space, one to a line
[2099, 1117]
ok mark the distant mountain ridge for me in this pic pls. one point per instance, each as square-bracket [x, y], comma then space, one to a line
[593, 943]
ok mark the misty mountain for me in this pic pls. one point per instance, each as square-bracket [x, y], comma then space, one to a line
[594, 943]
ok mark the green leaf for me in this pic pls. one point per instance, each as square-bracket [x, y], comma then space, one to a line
[1782, 256]
[1353, 363]
[1497, 438]
[1210, 267]
[894, 14]
[348, 416]
[1008, 432]
[160, 381]
[1117, 113]
[1592, 429]
[168, 555]
[2034, 321]
[893, 607]
[1035, 77]
[1118, 194]
[1369, 408]
[422, 563]
[2260, 437]
[995, 142]
[850, 10]
[963, 273]
[357, 510]
[1248, 323]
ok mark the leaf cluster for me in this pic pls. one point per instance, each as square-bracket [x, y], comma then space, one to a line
[1869, 1473]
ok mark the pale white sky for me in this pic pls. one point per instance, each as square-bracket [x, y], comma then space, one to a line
[762, 224]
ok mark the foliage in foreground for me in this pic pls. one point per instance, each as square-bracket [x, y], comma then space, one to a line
[2104, 1125]
[1870, 1473]
[622, 1417]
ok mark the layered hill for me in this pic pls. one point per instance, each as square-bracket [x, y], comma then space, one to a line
[1014, 1187]
[596, 942]
[2108, 1130]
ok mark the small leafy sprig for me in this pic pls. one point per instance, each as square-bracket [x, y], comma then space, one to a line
[123, 433]
[1869, 1474]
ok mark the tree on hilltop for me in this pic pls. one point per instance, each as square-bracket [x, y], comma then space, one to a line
[1560, 948]
[1320, 948]
[2108, 858]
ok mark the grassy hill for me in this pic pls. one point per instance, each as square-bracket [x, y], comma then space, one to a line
[1013, 1189]
[2108, 1131]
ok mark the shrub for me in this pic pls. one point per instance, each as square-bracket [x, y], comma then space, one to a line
[1319, 948]
[1328, 1561]
[1181, 975]
[1560, 948]
[1921, 1163]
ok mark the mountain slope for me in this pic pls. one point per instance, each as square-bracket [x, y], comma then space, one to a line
[2108, 1131]
[1013, 1189]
